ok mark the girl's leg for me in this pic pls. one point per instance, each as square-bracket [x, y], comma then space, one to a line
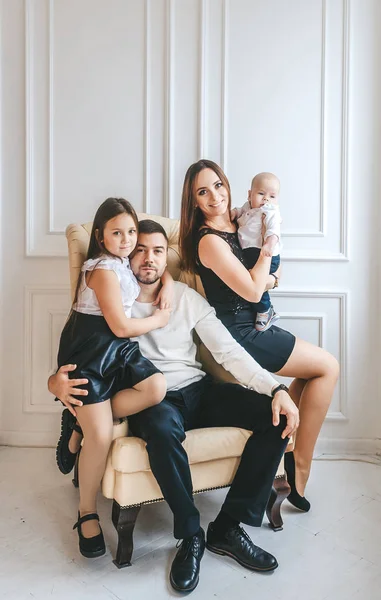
[147, 393]
[316, 372]
[75, 441]
[127, 402]
[96, 422]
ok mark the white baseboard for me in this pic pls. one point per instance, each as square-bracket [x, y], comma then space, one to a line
[350, 446]
[29, 439]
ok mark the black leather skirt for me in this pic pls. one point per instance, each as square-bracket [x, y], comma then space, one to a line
[109, 363]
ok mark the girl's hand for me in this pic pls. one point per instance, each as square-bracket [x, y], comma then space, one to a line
[162, 316]
[165, 296]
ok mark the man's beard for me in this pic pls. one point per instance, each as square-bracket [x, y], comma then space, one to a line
[148, 279]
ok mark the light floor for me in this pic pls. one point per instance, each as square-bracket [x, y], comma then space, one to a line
[331, 553]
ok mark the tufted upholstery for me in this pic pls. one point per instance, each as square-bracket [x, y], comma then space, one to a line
[214, 453]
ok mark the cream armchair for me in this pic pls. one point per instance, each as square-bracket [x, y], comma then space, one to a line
[214, 453]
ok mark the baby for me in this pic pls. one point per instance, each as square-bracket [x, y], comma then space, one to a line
[261, 213]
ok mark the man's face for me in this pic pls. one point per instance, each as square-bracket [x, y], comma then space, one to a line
[149, 260]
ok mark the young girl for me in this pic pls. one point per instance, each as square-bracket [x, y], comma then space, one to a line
[96, 339]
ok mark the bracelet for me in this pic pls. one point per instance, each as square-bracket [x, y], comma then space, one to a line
[276, 281]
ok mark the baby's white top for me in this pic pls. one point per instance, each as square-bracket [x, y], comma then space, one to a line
[87, 301]
[250, 225]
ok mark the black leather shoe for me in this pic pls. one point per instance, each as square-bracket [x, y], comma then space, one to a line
[236, 543]
[294, 497]
[185, 568]
[90, 547]
[66, 459]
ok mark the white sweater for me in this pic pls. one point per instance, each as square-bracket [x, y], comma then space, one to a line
[173, 350]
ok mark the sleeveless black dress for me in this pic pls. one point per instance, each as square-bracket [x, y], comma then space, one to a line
[271, 348]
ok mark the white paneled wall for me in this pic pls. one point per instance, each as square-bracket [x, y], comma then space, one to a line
[119, 97]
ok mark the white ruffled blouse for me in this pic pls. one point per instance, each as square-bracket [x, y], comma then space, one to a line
[87, 301]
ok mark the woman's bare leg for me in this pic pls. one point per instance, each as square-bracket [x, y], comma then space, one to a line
[147, 393]
[96, 423]
[316, 372]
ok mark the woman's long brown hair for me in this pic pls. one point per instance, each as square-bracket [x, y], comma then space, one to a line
[191, 217]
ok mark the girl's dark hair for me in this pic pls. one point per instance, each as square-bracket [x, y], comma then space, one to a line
[191, 217]
[110, 208]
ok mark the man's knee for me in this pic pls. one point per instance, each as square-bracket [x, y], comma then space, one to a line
[159, 424]
[166, 431]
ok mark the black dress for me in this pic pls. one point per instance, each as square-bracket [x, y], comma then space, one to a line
[271, 348]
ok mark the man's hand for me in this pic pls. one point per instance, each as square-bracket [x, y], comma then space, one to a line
[61, 386]
[282, 404]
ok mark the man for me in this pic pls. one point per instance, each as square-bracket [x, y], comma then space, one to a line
[194, 400]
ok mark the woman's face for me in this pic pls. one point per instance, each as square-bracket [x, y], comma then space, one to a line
[210, 195]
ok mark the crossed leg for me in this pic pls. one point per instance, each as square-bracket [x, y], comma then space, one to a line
[316, 373]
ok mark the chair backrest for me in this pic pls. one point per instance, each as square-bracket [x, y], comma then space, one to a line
[78, 237]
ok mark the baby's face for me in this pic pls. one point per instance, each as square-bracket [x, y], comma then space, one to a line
[262, 191]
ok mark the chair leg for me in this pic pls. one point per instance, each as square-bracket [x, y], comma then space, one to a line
[279, 492]
[124, 520]
[75, 479]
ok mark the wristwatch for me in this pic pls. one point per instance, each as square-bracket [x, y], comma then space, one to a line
[279, 387]
[276, 282]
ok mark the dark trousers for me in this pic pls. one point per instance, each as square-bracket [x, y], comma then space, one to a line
[250, 256]
[209, 404]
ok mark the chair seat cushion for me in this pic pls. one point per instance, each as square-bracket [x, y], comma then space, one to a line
[129, 454]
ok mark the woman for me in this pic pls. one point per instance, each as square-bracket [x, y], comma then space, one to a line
[209, 245]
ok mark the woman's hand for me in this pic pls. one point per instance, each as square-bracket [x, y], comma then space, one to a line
[283, 404]
[62, 387]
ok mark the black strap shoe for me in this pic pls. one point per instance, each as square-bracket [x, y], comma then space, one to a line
[185, 568]
[294, 497]
[237, 544]
[66, 459]
[90, 547]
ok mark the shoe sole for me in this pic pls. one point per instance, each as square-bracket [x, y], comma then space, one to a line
[93, 554]
[179, 589]
[243, 564]
[65, 423]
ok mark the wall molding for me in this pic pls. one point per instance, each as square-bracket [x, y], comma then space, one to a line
[45, 240]
[322, 231]
[342, 296]
[169, 110]
[147, 110]
[202, 91]
[224, 86]
[30, 293]
[342, 255]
